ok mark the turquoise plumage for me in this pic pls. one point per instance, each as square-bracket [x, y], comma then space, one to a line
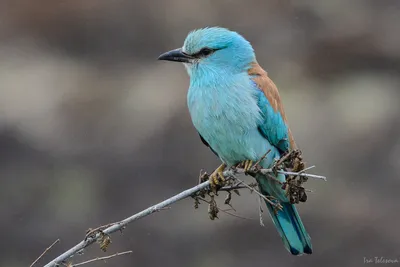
[237, 111]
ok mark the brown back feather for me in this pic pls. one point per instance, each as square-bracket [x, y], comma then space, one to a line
[260, 77]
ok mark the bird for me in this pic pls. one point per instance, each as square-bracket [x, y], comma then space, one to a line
[238, 113]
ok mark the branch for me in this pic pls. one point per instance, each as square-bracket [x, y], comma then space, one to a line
[277, 205]
[102, 258]
[301, 173]
[119, 226]
[260, 211]
[44, 252]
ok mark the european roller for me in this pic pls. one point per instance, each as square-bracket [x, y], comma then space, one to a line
[238, 113]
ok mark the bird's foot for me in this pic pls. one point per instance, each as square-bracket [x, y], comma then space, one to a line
[217, 178]
[246, 165]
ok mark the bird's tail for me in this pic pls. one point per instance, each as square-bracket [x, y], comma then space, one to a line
[288, 223]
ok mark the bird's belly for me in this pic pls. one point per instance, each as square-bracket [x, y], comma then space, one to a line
[235, 142]
[227, 117]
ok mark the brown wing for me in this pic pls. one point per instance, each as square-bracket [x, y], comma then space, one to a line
[264, 83]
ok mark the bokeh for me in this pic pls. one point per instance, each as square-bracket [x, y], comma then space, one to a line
[93, 129]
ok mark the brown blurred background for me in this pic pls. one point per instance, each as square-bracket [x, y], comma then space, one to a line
[93, 129]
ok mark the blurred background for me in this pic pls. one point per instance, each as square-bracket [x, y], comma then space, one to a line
[93, 129]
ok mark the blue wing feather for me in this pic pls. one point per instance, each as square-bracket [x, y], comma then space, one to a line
[272, 126]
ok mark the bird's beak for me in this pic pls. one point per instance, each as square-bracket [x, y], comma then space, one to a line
[176, 55]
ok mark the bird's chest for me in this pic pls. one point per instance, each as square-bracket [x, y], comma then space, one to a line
[226, 118]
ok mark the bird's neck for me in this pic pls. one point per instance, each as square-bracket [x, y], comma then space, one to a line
[210, 76]
[217, 91]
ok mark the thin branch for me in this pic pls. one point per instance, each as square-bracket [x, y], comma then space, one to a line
[268, 171]
[236, 187]
[260, 211]
[298, 174]
[262, 158]
[307, 169]
[229, 174]
[102, 258]
[235, 215]
[44, 252]
[276, 205]
[120, 225]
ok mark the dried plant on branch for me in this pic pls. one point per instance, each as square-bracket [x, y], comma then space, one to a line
[290, 164]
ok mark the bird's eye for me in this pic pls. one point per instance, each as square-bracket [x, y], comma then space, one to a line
[205, 52]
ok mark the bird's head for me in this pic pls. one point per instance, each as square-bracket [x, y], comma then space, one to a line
[213, 50]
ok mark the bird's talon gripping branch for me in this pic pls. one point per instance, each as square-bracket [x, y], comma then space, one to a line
[247, 165]
[217, 178]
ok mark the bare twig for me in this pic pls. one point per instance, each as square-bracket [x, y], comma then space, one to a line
[102, 258]
[44, 252]
[307, 169]
[229, 174]
[301, 174]
[236, 187]
[269, 171]
[260, 211]
[276, 205]
[262, 158]
[120, 225]
[270, 176]
[282, 159]
[235, 215]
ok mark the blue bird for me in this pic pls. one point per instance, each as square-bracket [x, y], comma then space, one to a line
[237, 111]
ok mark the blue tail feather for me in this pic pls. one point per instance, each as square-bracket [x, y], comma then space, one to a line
[287, 221]
[291, 229]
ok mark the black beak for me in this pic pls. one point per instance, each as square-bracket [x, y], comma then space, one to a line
[176, 55]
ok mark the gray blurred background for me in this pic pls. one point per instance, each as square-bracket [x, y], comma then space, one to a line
[93, 128]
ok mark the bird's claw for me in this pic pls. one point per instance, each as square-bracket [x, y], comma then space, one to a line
[247, 165]
[217, 178]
